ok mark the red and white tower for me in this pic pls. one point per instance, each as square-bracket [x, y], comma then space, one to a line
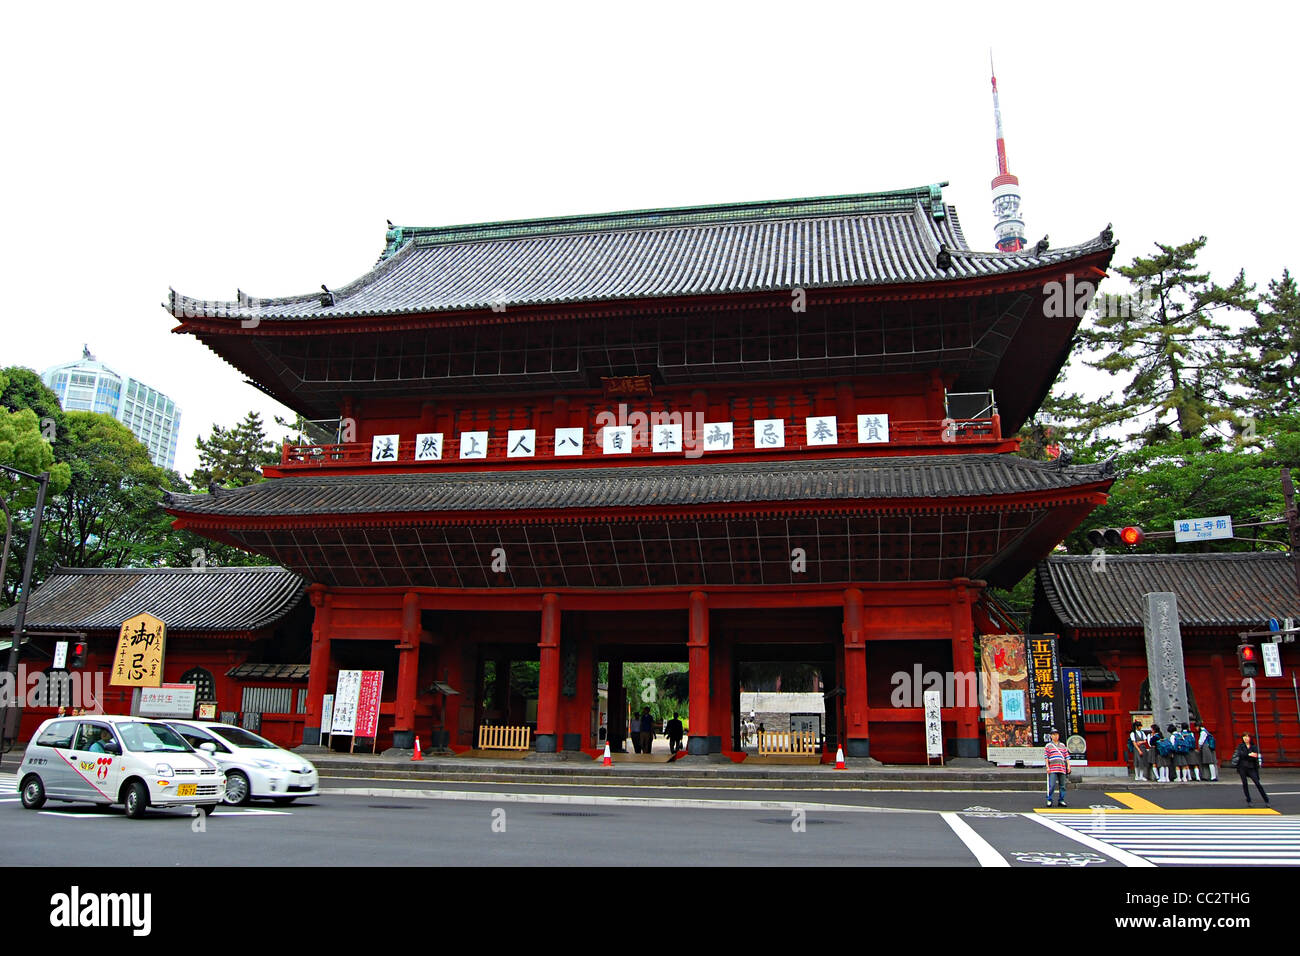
[1009, 226]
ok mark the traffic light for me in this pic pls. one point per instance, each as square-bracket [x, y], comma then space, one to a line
[1247, 660]
[78, 657]
[1128, 536]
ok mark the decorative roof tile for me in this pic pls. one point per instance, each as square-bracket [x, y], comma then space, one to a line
[859, 479]
[185, 599]
[845, 241]
[1236, 590]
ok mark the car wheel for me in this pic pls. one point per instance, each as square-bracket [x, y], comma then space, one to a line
[237, 788]
[33, 793]
[283, 801]
[207, 808]
[137, 800]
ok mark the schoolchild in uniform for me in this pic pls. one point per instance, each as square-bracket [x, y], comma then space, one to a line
[1137, 741]
[1205, 748]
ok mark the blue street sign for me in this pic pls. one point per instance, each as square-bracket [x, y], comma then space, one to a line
[1273, 625]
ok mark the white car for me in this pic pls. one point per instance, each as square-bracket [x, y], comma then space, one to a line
[107, 759]
[255, 768]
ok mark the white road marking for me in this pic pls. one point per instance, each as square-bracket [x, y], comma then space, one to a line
[979, 847]
[1122, 856]
[599, 801]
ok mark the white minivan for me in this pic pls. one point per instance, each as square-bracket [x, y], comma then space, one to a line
[106, 759]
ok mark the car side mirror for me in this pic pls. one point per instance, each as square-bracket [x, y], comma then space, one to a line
[208, 747]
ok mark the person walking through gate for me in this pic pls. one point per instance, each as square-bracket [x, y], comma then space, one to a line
[647, 731]
[673, 731]
[1058, 768]
[1246, 760]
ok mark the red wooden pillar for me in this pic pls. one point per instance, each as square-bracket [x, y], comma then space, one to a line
[857, 731]
[966, 742]
[318, 675]
[548, 681]
[721, 718]
[408, 667]
[697, 646]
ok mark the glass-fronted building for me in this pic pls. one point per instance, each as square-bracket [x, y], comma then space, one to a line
[89, 385]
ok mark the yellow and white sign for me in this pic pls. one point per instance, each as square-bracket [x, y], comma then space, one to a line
[139, 658]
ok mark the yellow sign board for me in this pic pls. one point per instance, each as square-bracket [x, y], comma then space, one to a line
[139, 659]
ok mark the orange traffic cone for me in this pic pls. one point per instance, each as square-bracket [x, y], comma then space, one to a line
[608, 761]
[417, 755]
[839, 759]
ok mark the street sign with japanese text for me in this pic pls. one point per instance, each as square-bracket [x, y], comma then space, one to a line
[1272, 655]
[139, 658]
[1203, 529]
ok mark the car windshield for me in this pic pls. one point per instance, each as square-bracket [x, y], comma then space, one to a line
[152, 738]
[242, 738]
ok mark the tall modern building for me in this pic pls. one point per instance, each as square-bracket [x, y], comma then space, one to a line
[89, 385]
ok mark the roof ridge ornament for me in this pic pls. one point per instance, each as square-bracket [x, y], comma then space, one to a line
[1107, 235]
[326, 296]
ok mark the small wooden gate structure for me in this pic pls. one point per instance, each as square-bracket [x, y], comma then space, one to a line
[786, 742]
[504, 738]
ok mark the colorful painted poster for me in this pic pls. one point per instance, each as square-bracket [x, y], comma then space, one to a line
[1004, 666]
[139, 658]
[368, 696]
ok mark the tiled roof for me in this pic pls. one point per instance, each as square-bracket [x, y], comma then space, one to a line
[865, 240]
[185, 599]
[651, 486]
[1238, 590]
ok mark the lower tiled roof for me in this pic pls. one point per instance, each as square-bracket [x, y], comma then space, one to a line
[940, 476]
[185, 599]
[1237, 590]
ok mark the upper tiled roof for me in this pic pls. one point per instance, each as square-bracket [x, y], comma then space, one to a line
[650, 486]
[862, 240]
[185, 599]
[1237, 590]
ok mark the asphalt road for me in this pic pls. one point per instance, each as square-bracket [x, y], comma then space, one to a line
[540, 825]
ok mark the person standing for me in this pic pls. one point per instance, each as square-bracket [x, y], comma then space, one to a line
[1058, 768]
[1137, 745]
[1247, 761]
[1209, 759]
[647, 731]
[673, 731]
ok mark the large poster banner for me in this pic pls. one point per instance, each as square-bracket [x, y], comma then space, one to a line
[345, 702]
[1072, 677]
[1045, 697]
[371, 689]
[1005, 669]
[141, 643]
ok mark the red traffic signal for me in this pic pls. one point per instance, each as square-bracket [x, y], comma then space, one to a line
[78, 656]
[1247, 660]
[1128, 536]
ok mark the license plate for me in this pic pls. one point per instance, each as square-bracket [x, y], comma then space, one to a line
[187, 790]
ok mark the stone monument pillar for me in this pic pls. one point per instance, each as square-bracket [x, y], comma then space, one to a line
[1165, 673]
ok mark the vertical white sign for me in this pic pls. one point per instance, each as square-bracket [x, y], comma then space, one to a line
[933, 724]
[60, 655]
[1272, 659]
[346, 696]
[326, 713]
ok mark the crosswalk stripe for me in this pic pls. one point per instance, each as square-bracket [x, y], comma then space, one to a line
[1199, 840]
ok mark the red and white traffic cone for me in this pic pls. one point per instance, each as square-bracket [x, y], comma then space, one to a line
[608, 760]
[417, 755]
[839, 759]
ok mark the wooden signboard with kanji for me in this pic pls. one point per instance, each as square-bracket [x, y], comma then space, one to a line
[139, 658]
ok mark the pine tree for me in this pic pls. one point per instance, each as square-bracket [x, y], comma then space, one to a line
[1272, 375]
[1173, 340]
[235, 457]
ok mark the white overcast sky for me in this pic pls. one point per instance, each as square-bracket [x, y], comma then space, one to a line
[262, 146]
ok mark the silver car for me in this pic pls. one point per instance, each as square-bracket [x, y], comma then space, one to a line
[254, 767]
[107, 759]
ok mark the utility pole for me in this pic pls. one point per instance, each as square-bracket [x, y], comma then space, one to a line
[43, 481]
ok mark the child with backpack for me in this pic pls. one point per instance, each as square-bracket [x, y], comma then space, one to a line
[1184, 749]
[1139, 751]
[1209, 759]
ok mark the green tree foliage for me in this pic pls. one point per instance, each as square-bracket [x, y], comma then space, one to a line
[1272, 370]
[234, 457]
[1172, 342]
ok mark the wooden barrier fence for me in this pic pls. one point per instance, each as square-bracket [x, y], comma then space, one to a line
[777, 742]
[504, 738]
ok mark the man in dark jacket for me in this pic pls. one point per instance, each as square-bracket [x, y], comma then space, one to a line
[673, 731]
[1247, 761]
